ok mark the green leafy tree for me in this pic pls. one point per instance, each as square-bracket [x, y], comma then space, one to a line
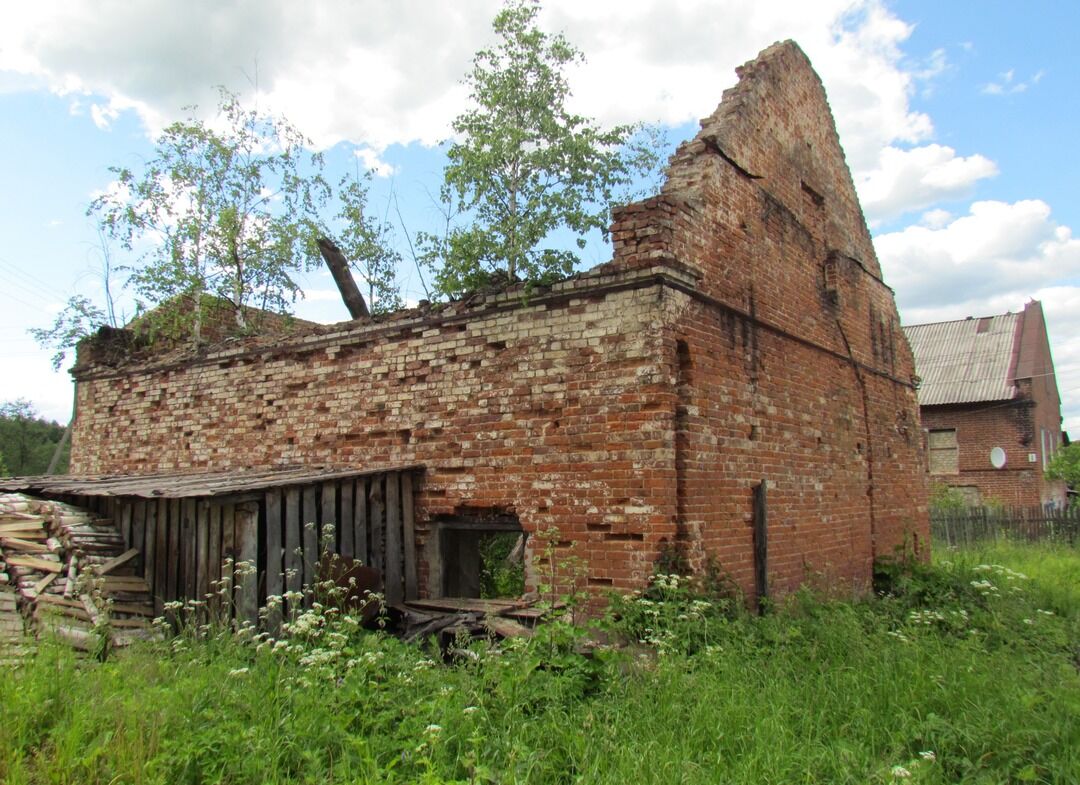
[79, 319]
[523, 166]
[228, 208]
[1065, 465]
[27, 441]
[365, 241]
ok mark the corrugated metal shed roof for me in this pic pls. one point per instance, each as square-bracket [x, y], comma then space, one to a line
[185, 485]
[965, 361]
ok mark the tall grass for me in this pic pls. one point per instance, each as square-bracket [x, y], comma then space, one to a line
[965, 672]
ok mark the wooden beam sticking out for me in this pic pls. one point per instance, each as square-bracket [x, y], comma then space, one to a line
[113, 563]
[346, 284]
[761, 545]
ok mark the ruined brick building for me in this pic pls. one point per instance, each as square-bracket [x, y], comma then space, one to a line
[990, 406]
[741, 333]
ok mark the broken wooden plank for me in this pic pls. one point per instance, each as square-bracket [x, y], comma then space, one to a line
[43, 584]
[18, 544]
[508, 628]
[34, 563]
[112, 564]
[466, 605]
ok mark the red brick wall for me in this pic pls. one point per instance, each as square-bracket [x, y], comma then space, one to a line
[740, 334]
[1013, 426]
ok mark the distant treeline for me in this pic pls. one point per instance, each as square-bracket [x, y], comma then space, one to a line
[28, 441]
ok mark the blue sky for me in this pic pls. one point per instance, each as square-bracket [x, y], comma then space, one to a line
[957, 119]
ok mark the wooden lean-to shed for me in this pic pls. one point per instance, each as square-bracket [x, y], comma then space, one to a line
[190, 527]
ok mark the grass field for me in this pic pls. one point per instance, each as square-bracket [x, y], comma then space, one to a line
[967, 672]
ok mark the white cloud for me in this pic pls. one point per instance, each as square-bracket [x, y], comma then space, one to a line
[916, 178]
[374, 163]
[1006, 83]
[378, 73]
[993, 260]
[998, 249]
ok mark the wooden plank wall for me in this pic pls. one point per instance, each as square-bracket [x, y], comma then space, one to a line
[187, 545]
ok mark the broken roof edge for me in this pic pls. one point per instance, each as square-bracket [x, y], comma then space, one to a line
[610, 276]
[187, 484]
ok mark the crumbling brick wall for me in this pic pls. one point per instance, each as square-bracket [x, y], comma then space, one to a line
[741, 334]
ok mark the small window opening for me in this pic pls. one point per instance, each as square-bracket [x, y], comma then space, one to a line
[482, 557]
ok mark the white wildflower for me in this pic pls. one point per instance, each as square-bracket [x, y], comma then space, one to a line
[900, 772]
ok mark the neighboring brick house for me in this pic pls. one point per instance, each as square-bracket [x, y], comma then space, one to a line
[742, 333]
[990, 406]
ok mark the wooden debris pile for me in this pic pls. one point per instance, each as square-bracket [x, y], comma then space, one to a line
[450, 618]
[68, 574]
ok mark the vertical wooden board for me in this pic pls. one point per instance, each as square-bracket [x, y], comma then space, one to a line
[247, 536]
[126, 509]
[138, 530]
[360, 521]
[163, 556]
[229, 555]
[175, 552]
[202, 549]
[377, 522]
[345, 526]
[213, 551]
[408, 532]
[187, 532]
[294, 566]
[149, 542]
[275, 585]
[328, 541]
[310, 497]
[393, 575]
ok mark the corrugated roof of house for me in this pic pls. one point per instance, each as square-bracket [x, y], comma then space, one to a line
[966, 361]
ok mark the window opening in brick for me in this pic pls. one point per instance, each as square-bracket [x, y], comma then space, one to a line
[482, 556]
[830, 279]
[944, 452]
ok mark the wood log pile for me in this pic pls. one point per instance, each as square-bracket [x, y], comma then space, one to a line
[67, 573]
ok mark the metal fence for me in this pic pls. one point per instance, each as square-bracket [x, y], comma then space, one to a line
[978, 524]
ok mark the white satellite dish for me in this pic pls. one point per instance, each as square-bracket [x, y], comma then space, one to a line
[997, 458]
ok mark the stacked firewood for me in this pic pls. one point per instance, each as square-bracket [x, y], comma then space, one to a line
[70, 575]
